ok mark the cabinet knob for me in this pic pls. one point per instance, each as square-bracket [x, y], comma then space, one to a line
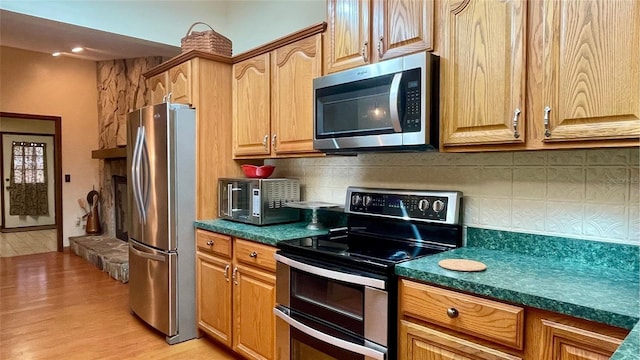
[452, 313]
[253, 254]
[210, 242]
[380, 47]
[273, 141]
[265, 142]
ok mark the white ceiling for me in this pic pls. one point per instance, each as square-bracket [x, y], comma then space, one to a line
[47, 36]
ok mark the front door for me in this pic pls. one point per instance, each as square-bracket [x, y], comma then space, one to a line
[17, 221]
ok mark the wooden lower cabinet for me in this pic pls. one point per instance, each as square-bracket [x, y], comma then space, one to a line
[214, 296]
[235, 292]
[421, 343]
[481, 328]
[565, 342]
[253, 302]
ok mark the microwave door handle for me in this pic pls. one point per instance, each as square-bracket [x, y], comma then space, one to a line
[229, 199]
[369, 353]
[394, 93]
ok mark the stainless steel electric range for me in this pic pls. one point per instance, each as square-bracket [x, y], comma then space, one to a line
[336, 294]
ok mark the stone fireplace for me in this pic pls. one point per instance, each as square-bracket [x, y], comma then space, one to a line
[120, 206]
[121, 89]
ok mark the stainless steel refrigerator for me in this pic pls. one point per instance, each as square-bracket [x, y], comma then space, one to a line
[161, 183]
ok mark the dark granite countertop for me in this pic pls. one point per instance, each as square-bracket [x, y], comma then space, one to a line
[590, 280]
[269, 234]
[606, 292]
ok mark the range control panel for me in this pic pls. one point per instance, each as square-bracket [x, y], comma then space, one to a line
[420, 205]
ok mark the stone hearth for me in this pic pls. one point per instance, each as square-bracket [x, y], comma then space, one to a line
[107, 253]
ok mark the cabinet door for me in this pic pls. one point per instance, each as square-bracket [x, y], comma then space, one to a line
[483, 72]
[214, 296]
[180, 83]
[564, 342]
[591, 65]
[293, 68]
[254, 299]
[419, 342]
[251, 107]
[158, 88]
[402, 27]
[348, 34]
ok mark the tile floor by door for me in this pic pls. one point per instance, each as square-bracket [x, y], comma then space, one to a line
[27, 242]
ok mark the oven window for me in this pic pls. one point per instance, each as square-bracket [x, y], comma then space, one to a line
[333, 301]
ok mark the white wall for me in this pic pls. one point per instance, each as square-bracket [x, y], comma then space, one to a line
[252, 23]
[248, 23]
[35, 83]
[160, 21]
[584, 194]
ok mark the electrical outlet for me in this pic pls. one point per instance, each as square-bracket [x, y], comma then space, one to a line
[78, 220]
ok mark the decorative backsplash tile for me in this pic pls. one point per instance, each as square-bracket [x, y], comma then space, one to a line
[585, 194]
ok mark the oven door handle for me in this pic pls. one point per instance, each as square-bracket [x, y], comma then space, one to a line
[369, 353]
[331, 274]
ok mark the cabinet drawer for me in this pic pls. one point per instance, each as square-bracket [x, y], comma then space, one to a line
[255, 254]
[213, 242]
[476, 316]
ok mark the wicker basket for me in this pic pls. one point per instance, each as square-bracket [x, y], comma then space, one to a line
[207, 41]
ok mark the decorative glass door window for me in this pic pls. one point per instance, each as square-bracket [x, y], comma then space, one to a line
[28, 191]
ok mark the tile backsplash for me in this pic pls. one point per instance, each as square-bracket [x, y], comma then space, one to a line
[586, 194]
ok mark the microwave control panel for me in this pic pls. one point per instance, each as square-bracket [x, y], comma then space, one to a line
[413, 101]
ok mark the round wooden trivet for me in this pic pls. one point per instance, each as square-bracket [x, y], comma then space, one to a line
[462, 265]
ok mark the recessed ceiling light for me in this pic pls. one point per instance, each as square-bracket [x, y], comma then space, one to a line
[77, 49]
[57, 53]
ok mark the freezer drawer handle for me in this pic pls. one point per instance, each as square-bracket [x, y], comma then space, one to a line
[146, 255]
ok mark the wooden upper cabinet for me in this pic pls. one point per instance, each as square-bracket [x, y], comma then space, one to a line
[591, 64]
[349, 34]
[402, 27]
[273, 100]
[483, 73]
[293, 68]
[366, 31]
[180, 83]
[251, 106]
[158, 88]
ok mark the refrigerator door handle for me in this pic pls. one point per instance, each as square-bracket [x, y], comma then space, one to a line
[135, 174]
[147, 255]
[146, 175]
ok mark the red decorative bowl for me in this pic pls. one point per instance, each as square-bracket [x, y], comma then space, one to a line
[258, 172]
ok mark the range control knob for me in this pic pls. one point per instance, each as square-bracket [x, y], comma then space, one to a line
[356, 200]
[438, 205]
[366, 200]
[423, 205]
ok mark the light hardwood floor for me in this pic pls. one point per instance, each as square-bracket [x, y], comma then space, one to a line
[27, 242]
[57, 306]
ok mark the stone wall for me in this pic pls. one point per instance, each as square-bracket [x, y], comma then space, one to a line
[121, 89]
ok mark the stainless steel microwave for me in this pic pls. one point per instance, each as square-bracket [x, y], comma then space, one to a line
[390, 105]
[258, 201]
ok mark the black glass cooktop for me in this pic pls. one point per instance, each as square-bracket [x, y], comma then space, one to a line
[376, 244]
